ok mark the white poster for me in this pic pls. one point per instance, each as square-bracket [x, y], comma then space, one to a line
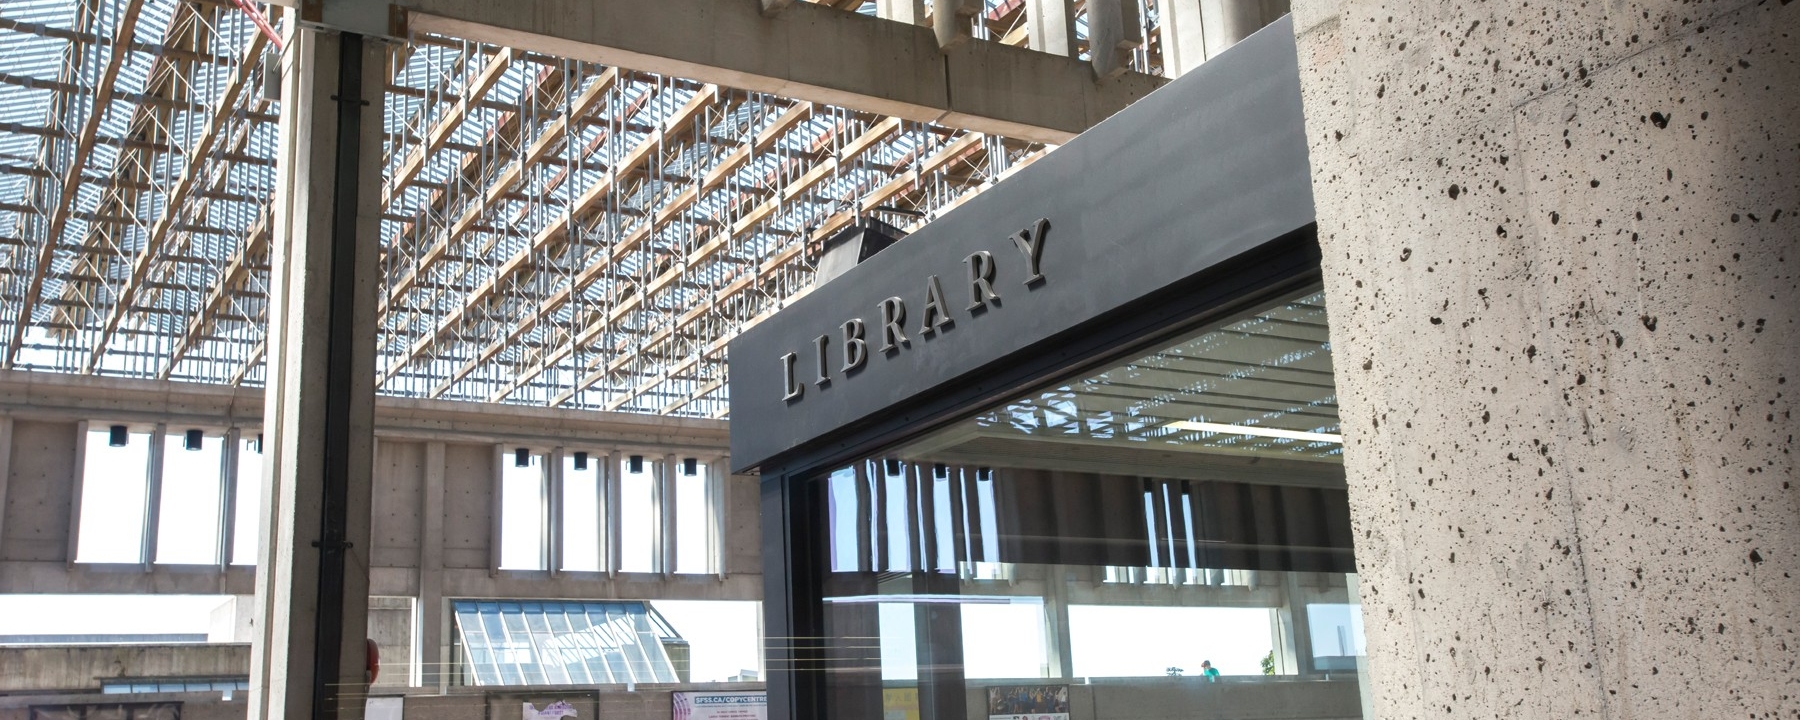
[384, 708]
[721, 706]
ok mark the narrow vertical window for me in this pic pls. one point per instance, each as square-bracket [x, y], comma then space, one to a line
[115, 486]
[187, 525]
[246, 528]
[846, 536]
[522, 500]
[581, 517]
[639, 513]
[693, 519]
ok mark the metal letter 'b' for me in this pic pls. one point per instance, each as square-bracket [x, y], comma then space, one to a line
[856, 350]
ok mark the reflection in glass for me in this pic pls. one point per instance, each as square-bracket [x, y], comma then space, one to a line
[1182, 509]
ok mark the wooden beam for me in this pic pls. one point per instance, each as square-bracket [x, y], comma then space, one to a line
[448, 123]
[502, 184]
[936, 161]
[558, 230]
[868, 139]
[177, 198]
[255, 243]
[71, 180]
[714, 178]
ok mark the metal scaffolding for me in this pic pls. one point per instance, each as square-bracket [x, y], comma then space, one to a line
[555, 232]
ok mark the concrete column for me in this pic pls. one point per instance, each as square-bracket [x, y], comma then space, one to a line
[312, 583]
[1559, 256]
[1227, 22]
[553, 512]
[6, 428]
[665, 503]
[153, 498]
[497, 509]
[72, 543]
[433, 649]
[950, 20]
[911, 12]
[228, 490]
[720, 506]
[610, 477]
[1107, 30]
[1183, 36]
[1050, 26]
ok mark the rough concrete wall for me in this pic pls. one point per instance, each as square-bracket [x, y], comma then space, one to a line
[83, 667]
[469, 485]
[1560, 255]
[40, 488]
[741, 547]
[194, 706]
[399, 482]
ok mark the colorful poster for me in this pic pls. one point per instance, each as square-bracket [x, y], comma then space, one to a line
[721, 706]
[1028, 702]
[900, 704]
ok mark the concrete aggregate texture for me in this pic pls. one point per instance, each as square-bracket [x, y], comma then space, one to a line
[1561, 248]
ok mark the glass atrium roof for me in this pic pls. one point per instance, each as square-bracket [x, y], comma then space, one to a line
[1259, 387]
[506, 642]
[555, 232]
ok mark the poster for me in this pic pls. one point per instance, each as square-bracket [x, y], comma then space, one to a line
[900, 704]
[384, 708]
[721, 706]
[551, 711]
[1028, 702]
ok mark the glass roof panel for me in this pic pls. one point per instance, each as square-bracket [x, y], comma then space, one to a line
[508, 642]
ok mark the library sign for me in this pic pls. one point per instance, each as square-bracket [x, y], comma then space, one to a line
[851, 339]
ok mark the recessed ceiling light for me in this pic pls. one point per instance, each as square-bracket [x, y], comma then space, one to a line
[1256, 431]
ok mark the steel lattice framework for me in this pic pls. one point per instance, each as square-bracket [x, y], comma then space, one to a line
[555, 232]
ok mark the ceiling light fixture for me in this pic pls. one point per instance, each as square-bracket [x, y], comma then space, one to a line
[1256, 431]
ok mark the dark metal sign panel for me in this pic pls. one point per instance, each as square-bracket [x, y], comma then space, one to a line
[1203, 170]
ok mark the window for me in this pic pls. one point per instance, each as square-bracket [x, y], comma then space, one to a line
[1337, 635]
[640, 515]
[188, 519]
[523, 642]
[693, 519]
[115, 491]
[173, 685]
[522, 500]
[246, 527]
[582, 520]
[1143, 641]
[1178, 512]
[724, 637]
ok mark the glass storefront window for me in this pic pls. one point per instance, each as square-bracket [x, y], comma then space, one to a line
[1178, 518]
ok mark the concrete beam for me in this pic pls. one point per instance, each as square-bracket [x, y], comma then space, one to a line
[809, 52]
